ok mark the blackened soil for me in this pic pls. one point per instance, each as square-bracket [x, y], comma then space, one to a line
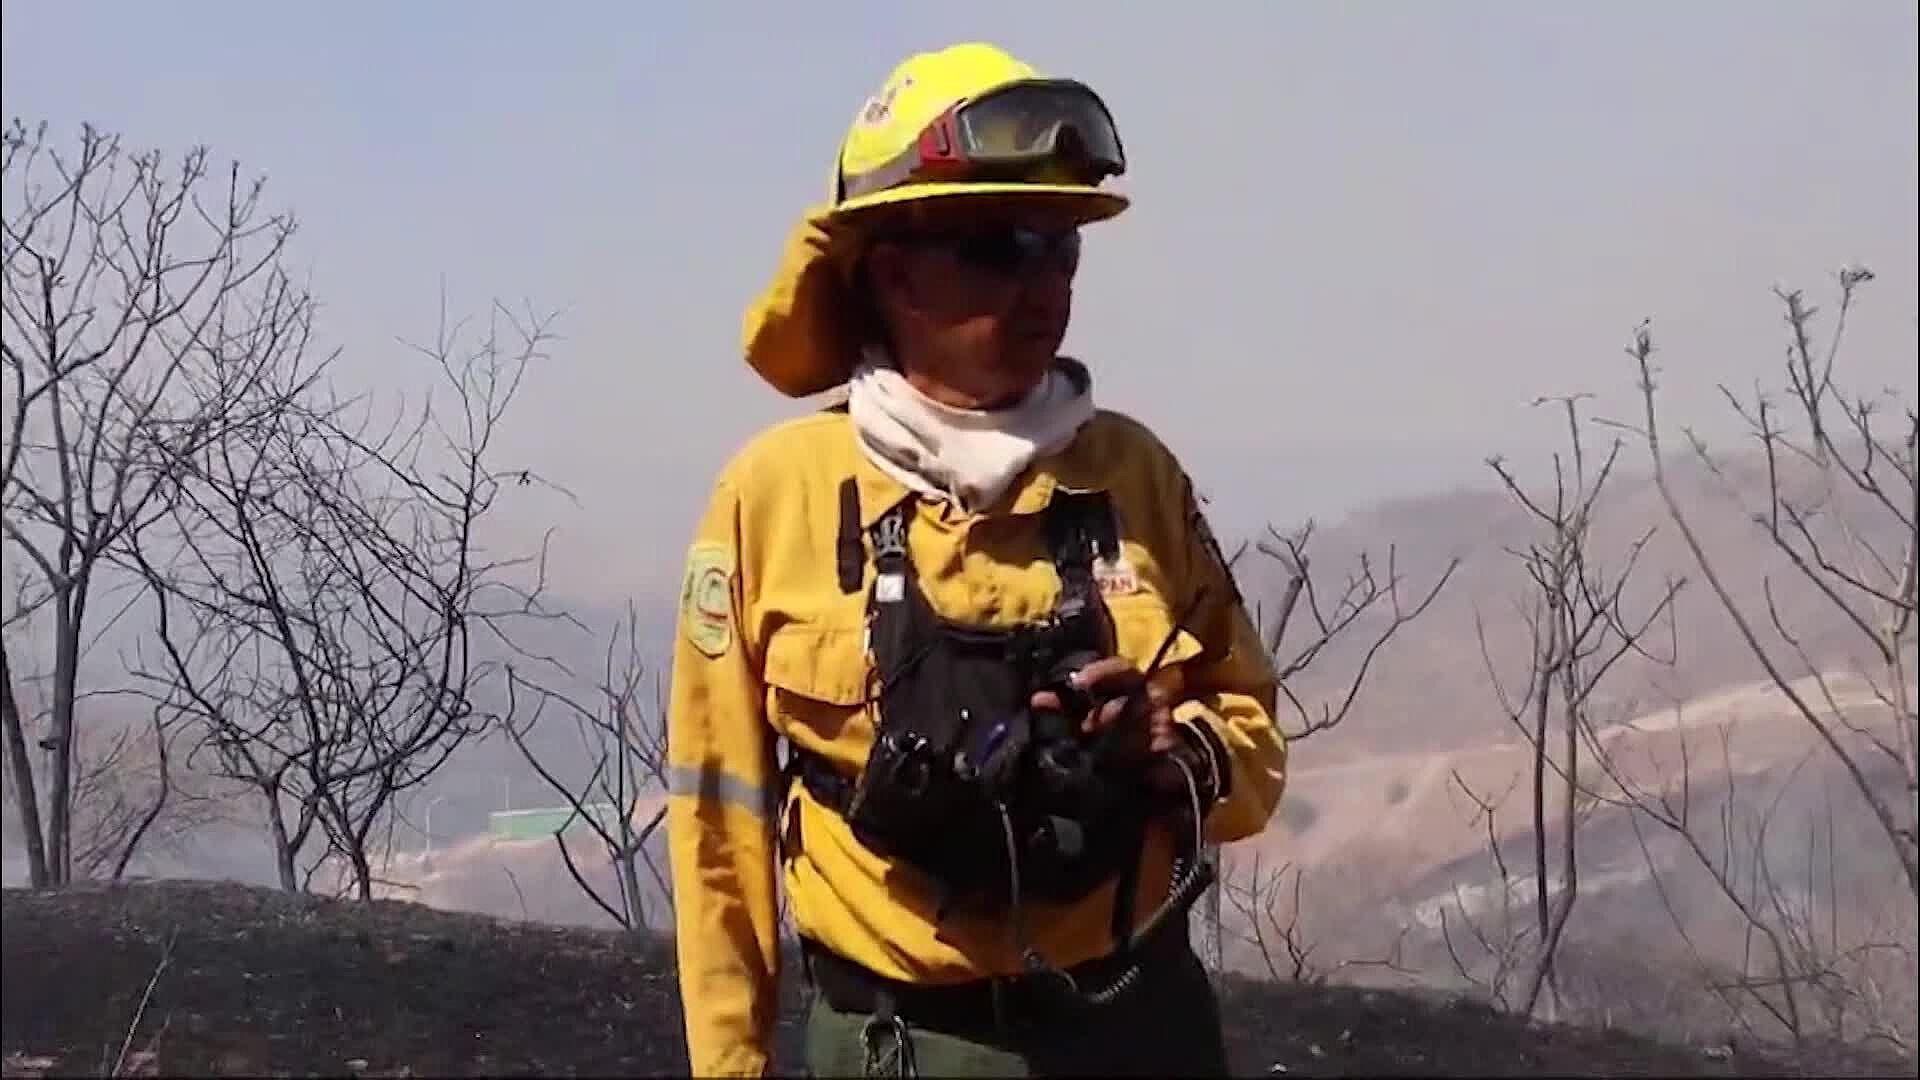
[200, 978]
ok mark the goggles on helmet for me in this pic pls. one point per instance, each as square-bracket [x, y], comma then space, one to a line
[1007, 131]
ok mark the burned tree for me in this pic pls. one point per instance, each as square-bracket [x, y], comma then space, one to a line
[326, 608]
[133, 798]
[1838, 511]
[1578, 629]
[1362, 613]
[1842, 508]
[1368, 604]
[623, 741]
[130, 290]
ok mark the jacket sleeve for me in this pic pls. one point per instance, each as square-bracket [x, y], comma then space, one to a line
[721, 780]
[1227, 716]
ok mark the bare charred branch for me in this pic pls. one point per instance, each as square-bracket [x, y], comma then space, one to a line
[1882, 610]
[125, 284]
[338, 612]
[1579, 630]
[624, 735]
[1365, 593]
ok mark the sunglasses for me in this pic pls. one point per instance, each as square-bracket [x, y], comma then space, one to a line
[1003, 250]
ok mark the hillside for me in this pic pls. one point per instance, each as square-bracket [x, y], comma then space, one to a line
[1426, 693]
[1430, 689]
[221, 979]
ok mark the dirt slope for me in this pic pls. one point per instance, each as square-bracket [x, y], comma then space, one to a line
[256, 982]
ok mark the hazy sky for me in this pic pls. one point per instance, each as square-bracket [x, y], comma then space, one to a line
[1364, 236]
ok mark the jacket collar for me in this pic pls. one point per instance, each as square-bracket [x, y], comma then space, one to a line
[1073, 469]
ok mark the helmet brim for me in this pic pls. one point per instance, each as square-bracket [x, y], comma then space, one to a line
[1080, 204]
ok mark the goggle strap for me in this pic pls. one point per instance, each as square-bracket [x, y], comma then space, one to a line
[897, 169]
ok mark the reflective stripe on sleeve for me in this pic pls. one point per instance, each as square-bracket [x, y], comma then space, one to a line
[710, 784]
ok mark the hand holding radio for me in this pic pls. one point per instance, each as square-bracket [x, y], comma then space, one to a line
[1110, 696]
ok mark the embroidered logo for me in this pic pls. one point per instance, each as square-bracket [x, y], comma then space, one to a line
[706, 598]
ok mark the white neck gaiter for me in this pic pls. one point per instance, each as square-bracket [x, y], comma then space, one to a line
[968, 456]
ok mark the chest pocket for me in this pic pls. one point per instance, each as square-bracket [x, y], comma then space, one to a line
[818, 678]
[818, 672]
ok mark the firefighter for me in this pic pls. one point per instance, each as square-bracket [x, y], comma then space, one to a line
[1016, 688]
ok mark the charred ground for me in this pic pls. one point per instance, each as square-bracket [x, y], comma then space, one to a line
[197, 978]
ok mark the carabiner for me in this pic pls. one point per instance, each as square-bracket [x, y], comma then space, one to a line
[872, 1061]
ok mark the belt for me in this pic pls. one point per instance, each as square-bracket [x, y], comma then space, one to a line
[997, 1004]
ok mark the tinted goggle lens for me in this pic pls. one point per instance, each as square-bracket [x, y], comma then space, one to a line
[1027, 122]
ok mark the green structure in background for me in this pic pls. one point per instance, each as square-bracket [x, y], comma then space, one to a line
[541, 823]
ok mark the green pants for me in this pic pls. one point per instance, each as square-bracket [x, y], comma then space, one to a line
[1168, 1024]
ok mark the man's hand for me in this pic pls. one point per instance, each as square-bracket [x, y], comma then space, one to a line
[1140, 709]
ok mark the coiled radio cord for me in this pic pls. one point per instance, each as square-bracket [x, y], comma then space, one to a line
[1192, 875]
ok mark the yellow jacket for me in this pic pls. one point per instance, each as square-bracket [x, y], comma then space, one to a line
[770, 646]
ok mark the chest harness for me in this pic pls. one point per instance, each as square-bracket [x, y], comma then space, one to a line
[993, 801]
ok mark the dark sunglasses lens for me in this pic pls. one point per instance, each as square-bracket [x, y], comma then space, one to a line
[1009, 251]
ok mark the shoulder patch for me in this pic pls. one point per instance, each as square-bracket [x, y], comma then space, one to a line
[706, 598]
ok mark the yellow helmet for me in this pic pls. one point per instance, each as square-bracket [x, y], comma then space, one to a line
[966, 120]
[971, 119]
